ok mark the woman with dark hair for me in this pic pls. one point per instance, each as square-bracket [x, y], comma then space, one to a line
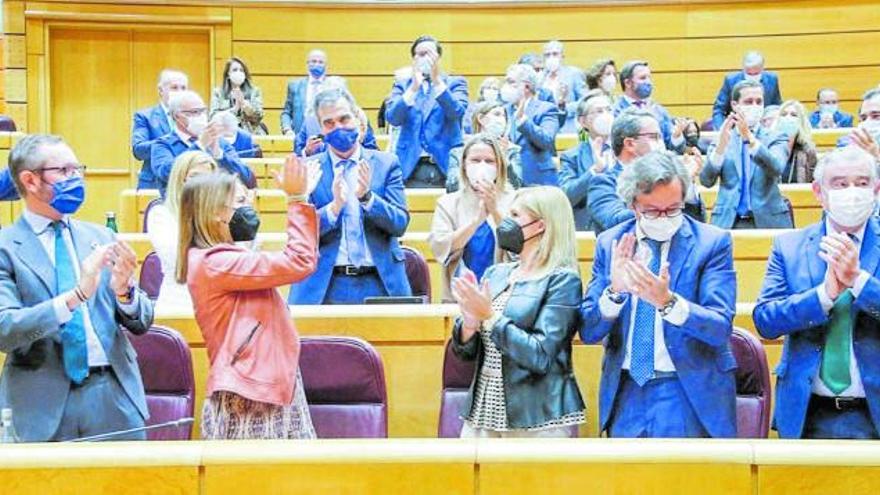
[238, 95]
[603, 75]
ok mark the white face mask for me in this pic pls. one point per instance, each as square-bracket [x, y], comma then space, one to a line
[510, 94]
[495, 127]
[608, 83]
[481, 172]
[602, 124]
[873, 128]
[551, 64]
[852, 206]
[661, 229]
[828, 108]
[753, 78]
[490, 94]
[236, 78]
[657, 146]
[753, 114]
[196, 125]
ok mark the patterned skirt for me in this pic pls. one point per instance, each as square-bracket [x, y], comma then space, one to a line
[227, 415]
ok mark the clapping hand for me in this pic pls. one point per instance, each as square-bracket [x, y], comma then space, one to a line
[475, 302]
[841, 255]
[293, 178]
[365, 179]
[124, 262]
[622, 251]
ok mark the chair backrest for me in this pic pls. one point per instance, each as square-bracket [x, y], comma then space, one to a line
[7, 124]
[151, 276]
[707, 125]
[166, 368]
[344, 382]
[752, 385]
[153, 202]
[457, 377]
[417, 273]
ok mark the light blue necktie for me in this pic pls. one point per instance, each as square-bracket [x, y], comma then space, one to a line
[73, 333]
[351, 216]
[641, 367]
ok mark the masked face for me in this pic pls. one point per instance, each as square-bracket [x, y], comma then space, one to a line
[788, 125]
[552, 63]
[196, 125]
[851, 206]
[602, 124]
[608, 83]
[490, 94]
[340, 126]
[236, 77]
[59, 182]
[752, 113]
[481, 164]
[511, 236]
[244, 224]
[511, 93]
[662, 228]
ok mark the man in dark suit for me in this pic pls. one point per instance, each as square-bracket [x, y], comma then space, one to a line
[828, 115]
[301, 93]
[822, 293]
[753, 70]
[152, 123]
[662, 300]
[362, 211]
[193, 132]
[66, 294]
[747, 161]
[638, 86]
[428, 108]
[533, 125]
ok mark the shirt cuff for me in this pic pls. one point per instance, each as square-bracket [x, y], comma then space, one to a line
[716, 160]
[439, 88]
[693, 195]
[62, 312]
[409, 98]
[679, 312]
[860, 282]
[331, 216]
[608, 308]
[753, 147]
[824, 300]
[369, 204]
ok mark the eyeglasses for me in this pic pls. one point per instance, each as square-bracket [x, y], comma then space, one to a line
[653, 135]
[672, 212]
[194, 112]
[66, 170]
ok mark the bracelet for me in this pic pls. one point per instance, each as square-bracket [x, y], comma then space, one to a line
[80, 294]
[297, 198]
[665, 310]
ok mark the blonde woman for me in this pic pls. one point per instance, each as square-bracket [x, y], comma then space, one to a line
[162, 228]
[463, 229]
[794, 122]
[519, 322]
[254, 389]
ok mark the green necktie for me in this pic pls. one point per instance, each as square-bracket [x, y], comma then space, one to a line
[836, 355]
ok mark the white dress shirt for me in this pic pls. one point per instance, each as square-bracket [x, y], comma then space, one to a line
[311, 90]
[856, 387]
[42, 228]
[676, 316]
[162, 230]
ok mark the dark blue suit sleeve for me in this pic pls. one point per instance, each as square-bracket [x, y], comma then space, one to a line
[161, 160]
[141, 143]
[543, 134]
[573, 185]
[231, 162]
[7, 186]
[396, 110]
[388, 211]
[370, 142]
[454, 101]
[606, 207]
[722, 102]
[299, 142]
[594, 328]
[287, 113]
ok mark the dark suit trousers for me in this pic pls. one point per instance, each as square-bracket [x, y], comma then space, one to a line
[659, 409]
[99, 405]
[825, 422]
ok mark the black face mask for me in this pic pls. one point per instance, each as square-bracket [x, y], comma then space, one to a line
[510, 235]
[244, 224]
[691, 139]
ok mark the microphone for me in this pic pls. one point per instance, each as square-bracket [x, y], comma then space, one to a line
[112, 434]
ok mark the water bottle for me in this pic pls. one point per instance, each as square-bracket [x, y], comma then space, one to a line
[111, 222]
[7, 430]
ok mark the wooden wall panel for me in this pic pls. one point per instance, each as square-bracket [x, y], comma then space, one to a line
[158, 49]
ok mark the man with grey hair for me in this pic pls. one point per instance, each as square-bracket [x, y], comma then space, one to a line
[752, 70]
[152, 123]
[566, 83]
[662, 300]
[301, 93]
[822, 294]
[638, 86]
[362, 211]
[67, 291]
[193, 132]
[533, 125]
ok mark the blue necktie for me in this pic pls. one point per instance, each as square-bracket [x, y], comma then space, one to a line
[641, 367]
[351, 216]
[73, 333]
[745, 175]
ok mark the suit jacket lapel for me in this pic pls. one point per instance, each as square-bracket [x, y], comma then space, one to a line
[160, 117]
[815, 265]
[680, 248]
[585, 160]
[33, 254]
[870, 251]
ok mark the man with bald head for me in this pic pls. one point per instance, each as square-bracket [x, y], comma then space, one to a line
[822, 295]
[193, 132]
[301, 93]
[152, 123]
[753, 70]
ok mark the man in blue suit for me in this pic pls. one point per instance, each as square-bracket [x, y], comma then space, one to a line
[753, 70]
[301, 93]
[594, 115]
[428, 108]
[867, 133]
[747, 161]
[362, 210]
[152, 123]
[533, 125]
[637, 85]
[66, 294]
[828, 115]
[566, 83]
[822, 293]
[662, 299]
[192, 132]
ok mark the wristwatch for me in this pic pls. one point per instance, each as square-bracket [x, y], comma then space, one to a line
[366, 197]
[667, 308]
[616, 297]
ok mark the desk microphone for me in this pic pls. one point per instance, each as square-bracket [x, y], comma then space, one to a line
[112, 434]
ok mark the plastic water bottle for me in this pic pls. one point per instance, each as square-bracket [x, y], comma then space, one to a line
[111, 222]
[7, 430]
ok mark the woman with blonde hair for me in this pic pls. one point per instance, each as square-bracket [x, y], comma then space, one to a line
[254, 389]
[162, 228]
[463, 229]
[519, 323]
[794, 122]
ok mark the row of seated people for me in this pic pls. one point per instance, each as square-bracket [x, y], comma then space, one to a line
[428, 111]
[661, 299]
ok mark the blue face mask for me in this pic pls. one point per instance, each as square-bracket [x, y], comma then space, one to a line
[342, 139]
[317, 70]
[644, 90]
[69, 195]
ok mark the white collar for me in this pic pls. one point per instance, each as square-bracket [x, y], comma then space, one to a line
[860, 234]
[335, 159]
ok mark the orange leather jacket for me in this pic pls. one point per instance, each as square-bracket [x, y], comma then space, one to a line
[252, 342]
